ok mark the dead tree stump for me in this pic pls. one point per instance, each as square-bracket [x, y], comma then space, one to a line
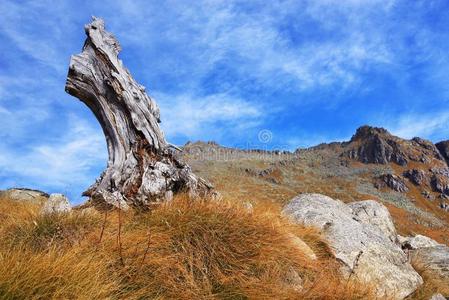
[142, 169]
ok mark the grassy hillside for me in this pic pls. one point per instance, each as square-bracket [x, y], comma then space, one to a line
[181, 250]
[276, 178]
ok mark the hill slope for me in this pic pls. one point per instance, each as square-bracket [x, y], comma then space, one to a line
[411, 177]
[181, 250]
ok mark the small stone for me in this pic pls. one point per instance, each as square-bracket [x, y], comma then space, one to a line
[444, 206]
[438, 297]
[248, 206]
[303, 247]
[417, 242]
[293, 279]
[427, 195]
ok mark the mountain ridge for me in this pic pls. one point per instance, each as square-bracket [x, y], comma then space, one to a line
[410, 176]
[362, 133]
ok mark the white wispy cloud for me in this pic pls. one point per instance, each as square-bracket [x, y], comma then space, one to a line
[202, 117]
[48, 46]
[14, 123]
[430, 125]
[71, 159]
[213, 67]
[255, 45]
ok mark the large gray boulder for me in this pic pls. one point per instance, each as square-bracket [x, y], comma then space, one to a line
[365, 251]
[24, 194]
[56, 203]
[434, 261]
[373, 213]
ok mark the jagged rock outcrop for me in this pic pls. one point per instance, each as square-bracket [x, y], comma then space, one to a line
[416, 176]
[423, 151]
[440, 183]
[142, 169]
[271, 174]
[441, 171]
[378, 146]
[443, 147]
[392, 181]
[364, 250]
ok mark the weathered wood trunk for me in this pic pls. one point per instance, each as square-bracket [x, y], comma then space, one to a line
[142, 168]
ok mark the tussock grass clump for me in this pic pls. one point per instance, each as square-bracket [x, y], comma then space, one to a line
[207, 249]
[23, 224]
[432, 285]
[45, 231]
[54, 274]
[181, 250]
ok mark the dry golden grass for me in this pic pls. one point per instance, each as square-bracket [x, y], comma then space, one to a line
[432, 285]
[181, 250]
[53, 275]
[39, 258]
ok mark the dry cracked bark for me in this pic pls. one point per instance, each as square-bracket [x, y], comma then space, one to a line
[142, 168]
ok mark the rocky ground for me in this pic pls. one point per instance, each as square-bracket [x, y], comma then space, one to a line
[411, 177]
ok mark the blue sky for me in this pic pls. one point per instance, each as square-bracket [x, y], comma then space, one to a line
[307, 71]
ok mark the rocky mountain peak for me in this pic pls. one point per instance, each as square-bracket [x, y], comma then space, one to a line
[377, 145]
[366, 132]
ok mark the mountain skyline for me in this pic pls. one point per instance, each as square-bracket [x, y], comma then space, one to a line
[305, 71]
